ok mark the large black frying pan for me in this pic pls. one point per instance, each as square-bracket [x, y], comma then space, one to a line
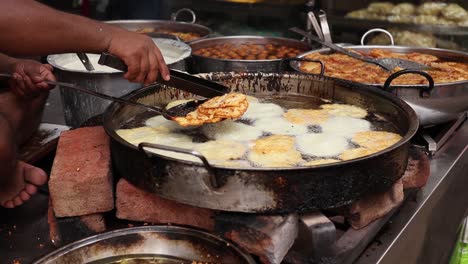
[271, 190]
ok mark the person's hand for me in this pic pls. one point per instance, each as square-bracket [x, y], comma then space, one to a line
[29, 77]
[142, 56]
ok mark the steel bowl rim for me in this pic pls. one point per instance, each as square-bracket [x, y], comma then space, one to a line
[136, 21]
[244, 37]
[138, 230]
[184, 47]
[295, 64]
[412, 129]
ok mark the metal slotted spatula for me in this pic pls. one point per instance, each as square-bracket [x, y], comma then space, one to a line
[388, 64]
[169, 114]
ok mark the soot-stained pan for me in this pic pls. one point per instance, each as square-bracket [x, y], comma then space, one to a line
[269, 190]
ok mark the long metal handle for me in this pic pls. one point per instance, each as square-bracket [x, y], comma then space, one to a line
[190, 11]
[424, 91]
[315, 24]
[337, 48]
[103, 96]
[85, 60]
[386, 32]
[325, 28]
[211, 172]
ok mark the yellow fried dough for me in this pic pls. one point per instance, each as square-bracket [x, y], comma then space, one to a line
[319, 162]
[306, 116]
[344, 110]
[356, 153]
[229, 106]
[275, 151]
[273, 144]
[221, 150]
[376, 140]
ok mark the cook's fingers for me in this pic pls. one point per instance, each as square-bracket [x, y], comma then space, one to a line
[19, 85]
[162, 65]
[30, 87]
[49, 67]
[9, 204]
[144, 69]
[133, 65]
[153, 70]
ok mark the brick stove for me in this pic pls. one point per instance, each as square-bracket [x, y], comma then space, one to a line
[335, 236]
[269, 237]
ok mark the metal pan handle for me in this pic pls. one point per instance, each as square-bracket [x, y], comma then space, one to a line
[389, 35]
[190, 11]
[213, 182]
[322, 64]
[425, 91]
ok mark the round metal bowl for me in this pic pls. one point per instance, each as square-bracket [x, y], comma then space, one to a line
[79, 107]
[201, 64]
[255, 189]
[433, 105]
[169, 242]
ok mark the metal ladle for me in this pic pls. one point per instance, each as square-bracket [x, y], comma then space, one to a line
[169, 114]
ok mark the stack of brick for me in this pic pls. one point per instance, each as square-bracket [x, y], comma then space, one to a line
[80, 184]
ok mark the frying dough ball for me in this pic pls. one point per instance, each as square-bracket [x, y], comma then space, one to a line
[230, 130]
[321, 145]
[221, 150]
[344, 110]
[320, 162]
[345, 126]
[275, 151]
[306, 116]
[262, 110]
[279, 126]
[356, 153]
[376, 140]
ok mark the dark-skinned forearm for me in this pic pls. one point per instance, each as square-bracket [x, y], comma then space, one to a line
[30, 28]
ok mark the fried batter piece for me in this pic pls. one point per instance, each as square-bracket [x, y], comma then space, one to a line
[229, 106]
[275, 151]
[376, 140]
[344, 110]
[306, 116]
[230, 150]
[345, 67]
[320, 162]
[356, 153]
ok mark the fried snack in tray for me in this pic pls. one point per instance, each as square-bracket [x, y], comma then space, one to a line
[345, 67]
[275, 151]
[228, 106]
[403, 9]
[375, 140]
[380, 8]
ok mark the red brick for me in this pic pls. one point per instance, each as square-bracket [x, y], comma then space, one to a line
[370, 208]
[64, 230]
[136, 204]
[417, 172]
[81, 178]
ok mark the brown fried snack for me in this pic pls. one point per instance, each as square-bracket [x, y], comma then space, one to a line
[229, 106]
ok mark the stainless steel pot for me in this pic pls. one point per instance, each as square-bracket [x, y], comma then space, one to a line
[201, 64]
[172, 243]
[173, 25]
[442, 103]
[79, 107]
[266, 190]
